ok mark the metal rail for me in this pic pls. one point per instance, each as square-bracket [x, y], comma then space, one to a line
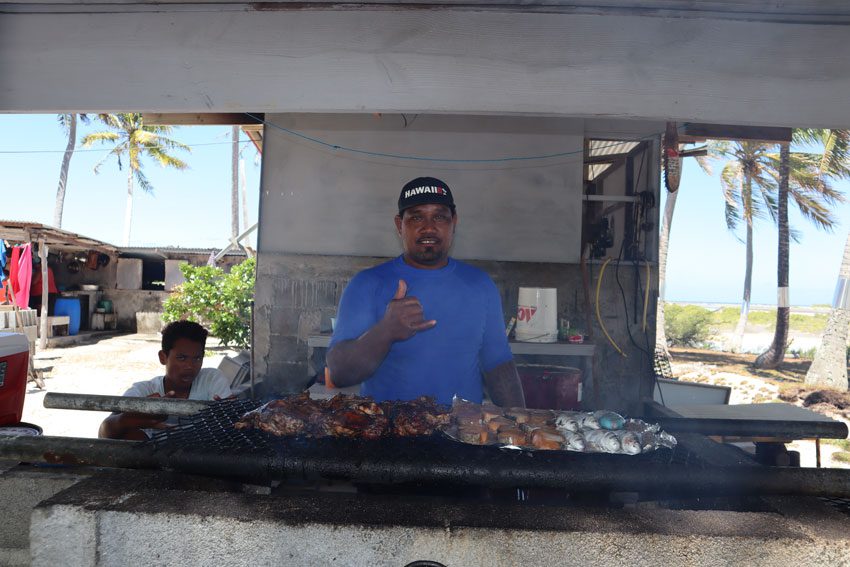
[153, 406]
[490, 468]
[752, 427]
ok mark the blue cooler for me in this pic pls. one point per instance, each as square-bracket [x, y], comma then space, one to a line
[69, 306]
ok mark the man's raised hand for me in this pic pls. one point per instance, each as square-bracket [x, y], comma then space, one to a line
[401, 291]
[404, 316]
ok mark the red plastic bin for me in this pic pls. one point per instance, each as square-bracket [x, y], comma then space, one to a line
[14, 356]
[550, 387]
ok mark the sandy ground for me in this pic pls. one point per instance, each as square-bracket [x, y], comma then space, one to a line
[107, 367]
[749, 390]
[758, 342]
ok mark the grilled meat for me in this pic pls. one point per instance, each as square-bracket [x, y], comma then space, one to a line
[421, 416]
[287, 416]
[345, 416]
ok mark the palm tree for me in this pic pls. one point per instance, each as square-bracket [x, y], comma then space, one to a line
[234, 182]
[748, 189]
[776, 352]
[68, 122]
[814, 196]
[663, 246]
[829, 368]
[134, 139]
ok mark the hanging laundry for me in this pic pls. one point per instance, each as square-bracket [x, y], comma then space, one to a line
[2, 262]
[21, 274]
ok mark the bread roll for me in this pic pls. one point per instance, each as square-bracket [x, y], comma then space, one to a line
[479, 435]
[490, 412]
[519, 415]
[512, 436]
[498, 423]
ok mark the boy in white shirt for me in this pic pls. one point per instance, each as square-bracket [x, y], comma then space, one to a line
[182, 353]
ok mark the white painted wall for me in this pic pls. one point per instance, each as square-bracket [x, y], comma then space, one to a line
[321, 201]
[317, 200]
[129, 273]
[173, 275]
[438, 61]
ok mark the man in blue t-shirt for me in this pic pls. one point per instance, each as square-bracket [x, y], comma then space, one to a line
[424, 323]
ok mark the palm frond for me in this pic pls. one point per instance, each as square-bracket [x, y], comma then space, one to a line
[166, 160]
[133, 156]
[143, 181]
[705, 163]
[116, 151]
[152, 139]
[732, 216]
[812, 207]
[767, 192]
[64, 121]
[102, 137]
[110, 120]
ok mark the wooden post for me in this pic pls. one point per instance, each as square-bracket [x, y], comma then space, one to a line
[42, 253]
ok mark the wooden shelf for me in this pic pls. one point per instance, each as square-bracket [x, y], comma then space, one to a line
[552, 349]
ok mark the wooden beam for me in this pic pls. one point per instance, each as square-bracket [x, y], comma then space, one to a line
[205, 119]
[45, 287]
[695, 132]
[348, 60]
[610, 158]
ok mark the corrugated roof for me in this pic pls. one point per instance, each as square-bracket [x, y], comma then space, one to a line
[24, 231]
[602, 155]
[175, 250]
[597, 169]
[610, 148]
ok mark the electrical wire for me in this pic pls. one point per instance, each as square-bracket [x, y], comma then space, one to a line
[625, 303]
[342, 148]
[599, 315]
[339, 147]
[83, 151]
[646, 298]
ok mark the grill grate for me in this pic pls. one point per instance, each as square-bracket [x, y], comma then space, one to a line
[839, 503]
[212, 430]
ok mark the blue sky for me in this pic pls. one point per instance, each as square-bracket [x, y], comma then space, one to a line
[192, 209]
[187, 208]
[706, 262]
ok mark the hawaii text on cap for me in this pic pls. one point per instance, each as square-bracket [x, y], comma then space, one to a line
[424, 191]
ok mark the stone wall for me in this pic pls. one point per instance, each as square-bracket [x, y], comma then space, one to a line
[297, 294]
[127, 302]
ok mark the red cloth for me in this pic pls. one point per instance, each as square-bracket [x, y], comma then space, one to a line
[21, 274]
[35, 288]
[5, 296]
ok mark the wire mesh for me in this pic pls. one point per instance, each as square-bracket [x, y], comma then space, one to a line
[211, 430]
[839, 503]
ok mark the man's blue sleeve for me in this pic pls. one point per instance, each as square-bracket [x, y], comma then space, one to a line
[494, 349]
[356, 313]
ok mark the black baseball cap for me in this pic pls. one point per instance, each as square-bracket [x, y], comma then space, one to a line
[425, 191]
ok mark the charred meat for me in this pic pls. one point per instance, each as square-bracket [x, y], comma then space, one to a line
[346, 416]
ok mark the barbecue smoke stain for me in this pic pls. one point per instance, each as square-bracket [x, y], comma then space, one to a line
[61, 459]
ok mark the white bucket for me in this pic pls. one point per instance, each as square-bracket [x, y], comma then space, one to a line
[537, 315]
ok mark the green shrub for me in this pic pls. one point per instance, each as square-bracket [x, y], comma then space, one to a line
[805, 354]
[220, 301]
[687, 325]
[725, 317]
[841, 457]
